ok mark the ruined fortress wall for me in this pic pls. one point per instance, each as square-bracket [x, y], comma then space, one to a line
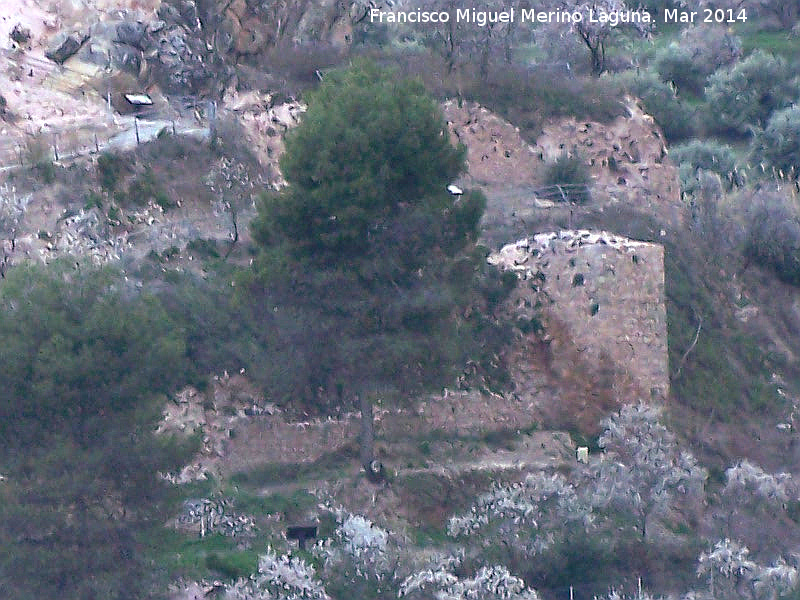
[606, 293]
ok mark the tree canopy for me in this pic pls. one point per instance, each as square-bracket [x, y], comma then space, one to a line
[372, 148]
[86, 361]
[365, 251]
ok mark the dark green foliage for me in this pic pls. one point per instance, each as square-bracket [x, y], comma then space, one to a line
[206, 248]
[677, 64]
[701, 50]
[779, 144]
[659, 100]
[746, 94]
[143, 188]
[85, 365]
[110, 169]
[46, 170]
[233, 565]
[368, 265]
[68, 342]
[704, 154]
[93, 200]
[774, 236]
[369, 144]
[571, 174]
[699, 164]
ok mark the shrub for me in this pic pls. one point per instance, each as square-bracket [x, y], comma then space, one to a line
[110, 167]
[571, 174]
[529, 97]
[40, 157]
[774, 236]
[714, 47]
[701, 50]
[660, 101]
[746, 94]
[677, 64]
[704, 154]
[779, 144]
[701, 163]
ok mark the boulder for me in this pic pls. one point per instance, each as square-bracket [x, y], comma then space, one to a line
[65, 46]
[131, 34]
[20, 35]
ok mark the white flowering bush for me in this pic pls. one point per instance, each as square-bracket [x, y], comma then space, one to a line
[750, 483]
[526, 517]
[647, 470]
[614, 594]
[360, 560]
[735, 575]
[279, 578]
[489, 583]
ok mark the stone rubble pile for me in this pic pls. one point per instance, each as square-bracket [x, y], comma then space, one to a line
[265, 124]
[516, 256]
[215, 414]
[215, 515]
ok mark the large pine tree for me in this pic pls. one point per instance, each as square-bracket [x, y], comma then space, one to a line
[365, 257]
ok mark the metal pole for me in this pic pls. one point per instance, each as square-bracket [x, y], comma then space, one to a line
[55, 146]
[212, 120]
[96, 145]
[136, 126]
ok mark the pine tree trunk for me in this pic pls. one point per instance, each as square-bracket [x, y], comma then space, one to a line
[367, 433]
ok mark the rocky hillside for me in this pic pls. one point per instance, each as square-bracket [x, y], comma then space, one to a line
[143, 135]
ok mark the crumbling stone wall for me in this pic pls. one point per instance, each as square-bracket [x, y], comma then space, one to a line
[601, 298]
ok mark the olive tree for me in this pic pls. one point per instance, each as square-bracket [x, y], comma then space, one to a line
[596, 33]
[744, 95]
[732, 574]
[779, 144]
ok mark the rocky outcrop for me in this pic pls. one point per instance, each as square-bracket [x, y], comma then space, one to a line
[66, 45]
[265, 125]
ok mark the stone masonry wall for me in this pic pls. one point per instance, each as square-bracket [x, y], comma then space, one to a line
[606, 293]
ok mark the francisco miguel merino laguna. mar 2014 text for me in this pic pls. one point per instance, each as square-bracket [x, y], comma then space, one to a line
[482, 18]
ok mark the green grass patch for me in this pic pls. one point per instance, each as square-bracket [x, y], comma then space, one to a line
[292, 505]
[187, 555]
[275, 473]
[776, 42]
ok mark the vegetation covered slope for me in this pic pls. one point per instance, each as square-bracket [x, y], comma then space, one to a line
[367, 279]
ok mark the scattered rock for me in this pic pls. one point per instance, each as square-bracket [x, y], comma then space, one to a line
[746, 313]
[214, 515]
[65, 46]
[20, 35]
[131, 33]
